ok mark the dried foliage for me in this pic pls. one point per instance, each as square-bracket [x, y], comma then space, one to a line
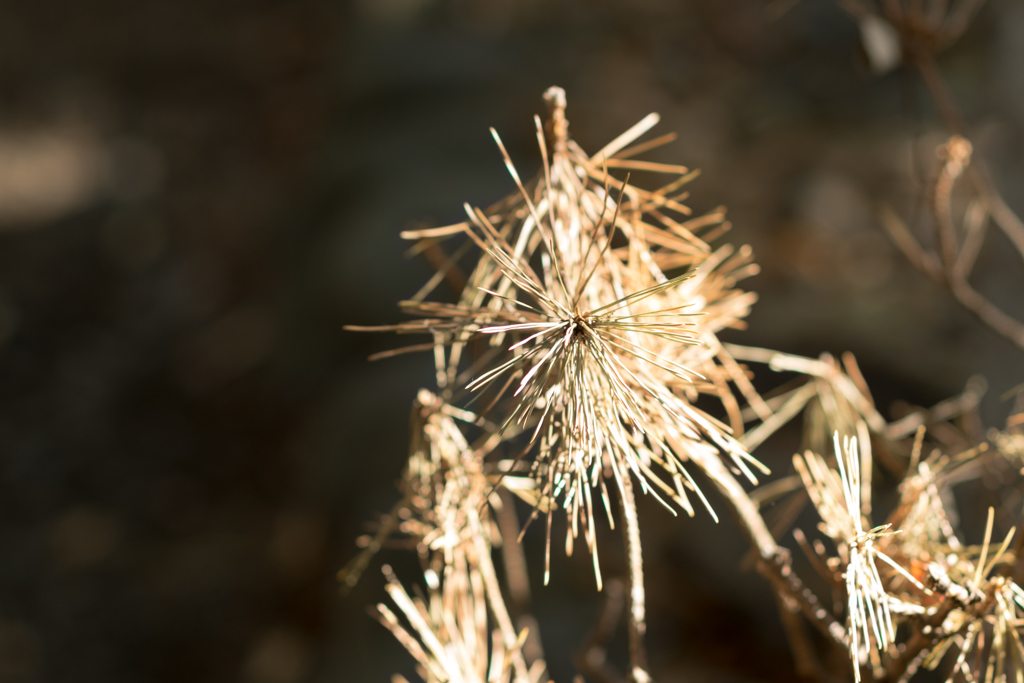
[581, 360]
[588, 357]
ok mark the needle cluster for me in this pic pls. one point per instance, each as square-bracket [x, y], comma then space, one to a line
[588, 356]
[580, 360]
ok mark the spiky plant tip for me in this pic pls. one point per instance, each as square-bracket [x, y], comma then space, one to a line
[599, 344]
[840, 498]
[449, 633]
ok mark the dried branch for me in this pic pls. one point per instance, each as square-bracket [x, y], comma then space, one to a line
[590, 361]
[951, 277]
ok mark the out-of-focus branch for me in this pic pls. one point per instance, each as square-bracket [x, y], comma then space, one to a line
[1003, 215]
[921, 57]
[1010, 223]
[591, 658]
[516, 577]
[807, 664]
[349, 575]
[919, 258]
[923, 29]
[949, 269]
[964, 402]
[951, 278]
[989, 314]
[773, 561]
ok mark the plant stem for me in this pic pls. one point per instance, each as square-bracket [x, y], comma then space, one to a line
[591, 659]
[517, 578]
[774, 561]
[497, 602]
[637, 624]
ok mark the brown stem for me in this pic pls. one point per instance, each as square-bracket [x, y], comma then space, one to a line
[349, 575]
[975, 222]
[924, 261]
[958, 154]
[591, 658]
[921, 57]
[780, 572]
[557, 125]
[807, 664]
[923, 60]
[516, 577]
[987, 313]
[962, 291]
[637, 623]
[957, 151]
[1001, 213]
[774, 561]
[926, 634]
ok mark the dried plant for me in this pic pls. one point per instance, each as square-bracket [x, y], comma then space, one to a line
[594, 356]
[581, 359]
[842, 499]
[451, 627]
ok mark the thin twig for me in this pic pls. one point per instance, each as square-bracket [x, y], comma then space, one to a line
[807, 664]
[349, 575]
[591, 658]
[497, 604]
[968, 297]
[637, 622]
[952, 269]
[773, 561]
[516, 577]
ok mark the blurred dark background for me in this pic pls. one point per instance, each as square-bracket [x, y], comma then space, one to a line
[196, 196]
